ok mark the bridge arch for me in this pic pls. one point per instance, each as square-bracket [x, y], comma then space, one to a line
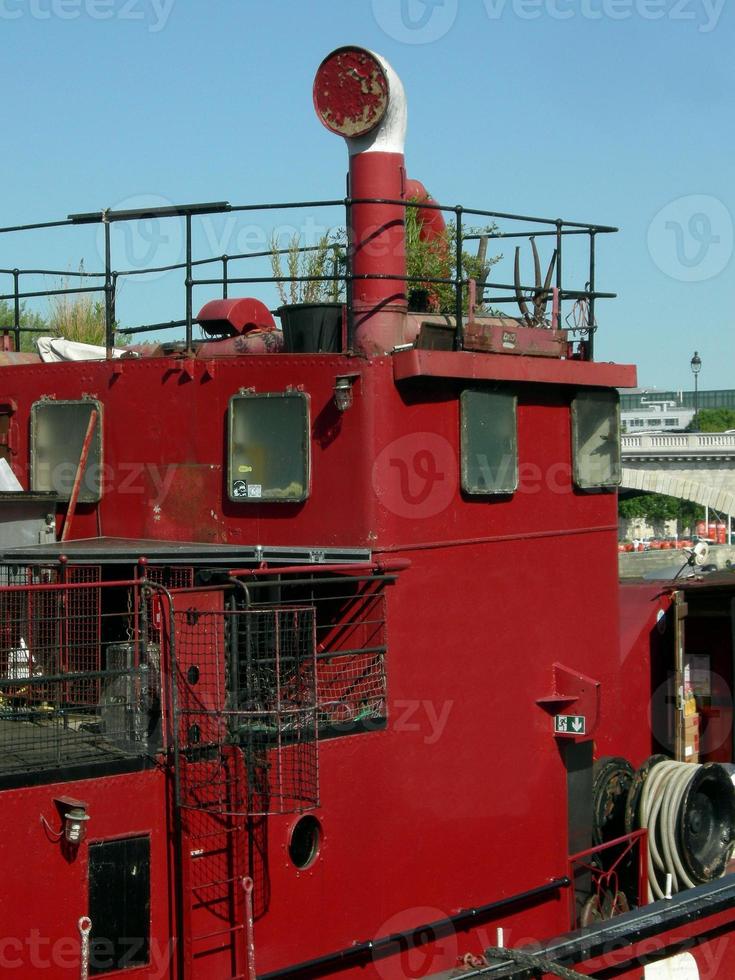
[659, 481]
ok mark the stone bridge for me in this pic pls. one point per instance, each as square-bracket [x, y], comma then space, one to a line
[697, 466]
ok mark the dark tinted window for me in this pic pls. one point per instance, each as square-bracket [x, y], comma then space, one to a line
[489, 442]
[119, 904]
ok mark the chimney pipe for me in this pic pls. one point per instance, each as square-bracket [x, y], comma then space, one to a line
[358, 96]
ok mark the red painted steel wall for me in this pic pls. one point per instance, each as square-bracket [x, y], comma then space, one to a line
[165, 432]
[463, 799]
[44, 892]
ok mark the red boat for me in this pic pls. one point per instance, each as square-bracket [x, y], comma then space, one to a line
[314, 661]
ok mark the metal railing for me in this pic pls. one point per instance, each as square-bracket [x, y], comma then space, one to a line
[688, 443]
[558, 230]
[79, 675]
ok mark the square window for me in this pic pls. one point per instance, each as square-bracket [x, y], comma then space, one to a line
[269, 448]
[489, 443]
[58, 431]
[596, 439]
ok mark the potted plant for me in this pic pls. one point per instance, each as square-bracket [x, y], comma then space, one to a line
[312, 305]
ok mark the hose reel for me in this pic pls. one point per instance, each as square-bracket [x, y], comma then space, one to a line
[689, 812]
[612, 778]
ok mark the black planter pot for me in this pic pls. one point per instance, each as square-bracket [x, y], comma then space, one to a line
[311, 328]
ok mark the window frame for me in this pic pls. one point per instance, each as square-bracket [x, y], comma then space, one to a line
[464, 447]
[272, 395]
[586, 484]
[98, 436]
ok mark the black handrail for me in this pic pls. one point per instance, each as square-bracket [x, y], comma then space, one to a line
[558, 229]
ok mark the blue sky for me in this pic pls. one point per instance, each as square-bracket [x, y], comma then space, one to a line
[615, 111]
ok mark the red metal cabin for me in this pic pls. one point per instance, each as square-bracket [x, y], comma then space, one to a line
[311, 659]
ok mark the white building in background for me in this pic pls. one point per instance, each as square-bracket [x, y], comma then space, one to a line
[656, 416]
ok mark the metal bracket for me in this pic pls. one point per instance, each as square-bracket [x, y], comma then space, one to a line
[572, 688]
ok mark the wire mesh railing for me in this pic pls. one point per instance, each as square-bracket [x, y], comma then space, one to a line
[107, 281]
[79, 676]
[245, 718]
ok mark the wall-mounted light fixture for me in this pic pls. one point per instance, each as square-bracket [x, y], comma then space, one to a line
[343, 391]
[75, 817]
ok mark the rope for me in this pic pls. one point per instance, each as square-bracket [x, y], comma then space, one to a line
[85, 927]
[533, 961]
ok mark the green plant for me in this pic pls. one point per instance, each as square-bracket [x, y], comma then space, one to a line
[656, 509]
[28, 319]
[712, 420]
[77, 316]
[311, 263]
[437, 259]
[425, 261]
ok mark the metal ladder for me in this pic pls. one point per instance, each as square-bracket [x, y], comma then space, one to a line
[217, 908]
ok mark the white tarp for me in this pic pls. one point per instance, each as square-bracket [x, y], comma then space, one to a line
[8, 479]
[59, 349]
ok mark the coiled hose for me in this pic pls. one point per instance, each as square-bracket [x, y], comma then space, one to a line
[661, 806]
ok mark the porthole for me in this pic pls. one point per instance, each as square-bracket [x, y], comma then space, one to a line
[192, 674]
[303, 848]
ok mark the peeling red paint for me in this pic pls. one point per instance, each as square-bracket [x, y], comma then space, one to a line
[351, 92]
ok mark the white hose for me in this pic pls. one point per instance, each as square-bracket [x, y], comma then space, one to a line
[660, 810]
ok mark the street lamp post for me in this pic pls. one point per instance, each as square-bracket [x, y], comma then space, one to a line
[696, 366]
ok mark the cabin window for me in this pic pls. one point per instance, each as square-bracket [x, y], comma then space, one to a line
[488, 436]
[596, 439]
[268, 447]
[58, 434]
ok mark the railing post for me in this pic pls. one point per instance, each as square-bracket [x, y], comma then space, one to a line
[591, 301]
[560, 293]
[459, 335]
[16, 307]
[225, 284]
[109, 320]
[189, 286]
[348, 277]
[335, 274]
[113, 300]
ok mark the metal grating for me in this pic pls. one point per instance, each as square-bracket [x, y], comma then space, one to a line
[246, 717]
[171, 576]
[77, 683]
[351, 650]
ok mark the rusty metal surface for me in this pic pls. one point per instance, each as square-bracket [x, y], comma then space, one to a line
[351, 92]
[501, 336]
[10, 358]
